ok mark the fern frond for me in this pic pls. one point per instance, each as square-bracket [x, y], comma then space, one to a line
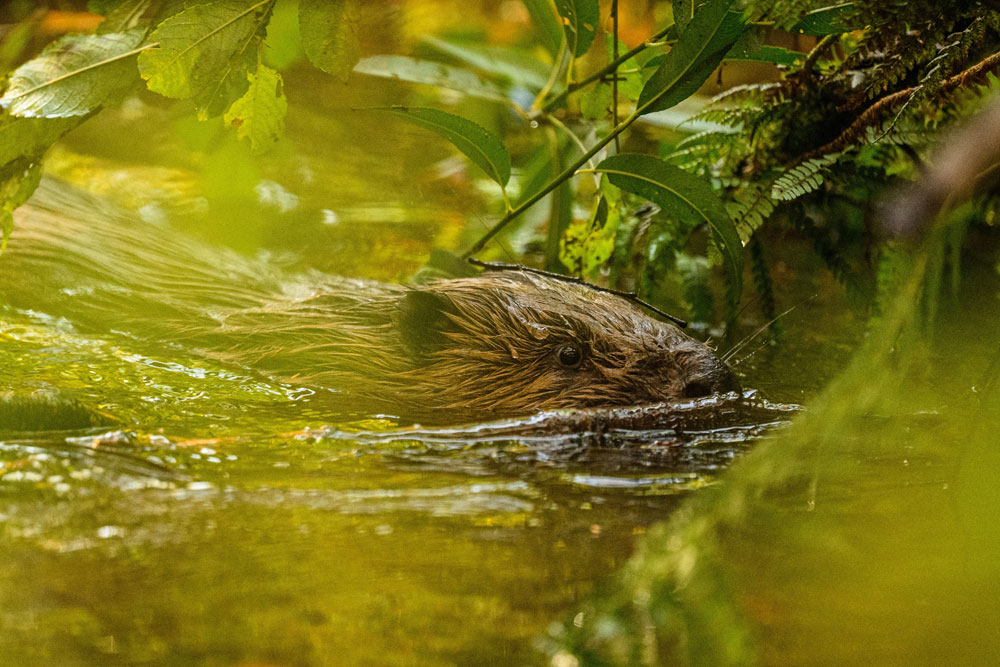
[750, 207]
[803, 178]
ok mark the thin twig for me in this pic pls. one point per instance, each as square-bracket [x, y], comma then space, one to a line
[614, 78]
[567, 173]
[607, 69]
[871, 115]
[630, 296]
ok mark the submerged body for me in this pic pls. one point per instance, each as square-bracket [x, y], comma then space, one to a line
[498, 345]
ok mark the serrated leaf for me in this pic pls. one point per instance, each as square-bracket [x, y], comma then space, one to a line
[29, 137]
[698, 51]
[73, 76]
[329, 35]
[204, 53]
[479, 145]
[260, 114]
[431, 73]
[674, 190]
[831, 20]
[125, 16]
[17, 181]
[580, 19]
[283, 43]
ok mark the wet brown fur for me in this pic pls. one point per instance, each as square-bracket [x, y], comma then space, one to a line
[451, 351]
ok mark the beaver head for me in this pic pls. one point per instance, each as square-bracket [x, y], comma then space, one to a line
[512, 343]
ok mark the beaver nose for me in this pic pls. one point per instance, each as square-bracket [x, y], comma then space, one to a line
[719, 380]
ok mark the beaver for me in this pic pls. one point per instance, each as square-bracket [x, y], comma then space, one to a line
[501, 344]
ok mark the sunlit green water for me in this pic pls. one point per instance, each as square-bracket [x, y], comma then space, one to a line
[217, 537]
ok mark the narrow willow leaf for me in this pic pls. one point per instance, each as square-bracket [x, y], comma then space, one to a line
[431, 73]
[482, 147]
[698, 51]
[545, 19]
[580, 19]
[204, 53]
[683, 11]
[831, 20]
[260, 114]
[683, 194]
[17, 181]
[73, 76]
[512, 65]
[329, 35]
[774, 55]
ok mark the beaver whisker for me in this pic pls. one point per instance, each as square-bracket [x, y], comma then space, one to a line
[741, 344]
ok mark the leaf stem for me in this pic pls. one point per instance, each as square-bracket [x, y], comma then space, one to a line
[614, 78]
[552, 185]
[557, 68]
[604, 71]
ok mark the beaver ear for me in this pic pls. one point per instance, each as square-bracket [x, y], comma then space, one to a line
[421, 318]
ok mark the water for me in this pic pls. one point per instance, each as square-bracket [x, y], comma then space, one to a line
[218, 528]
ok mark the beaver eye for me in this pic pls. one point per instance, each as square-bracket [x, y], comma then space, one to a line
[570, 356]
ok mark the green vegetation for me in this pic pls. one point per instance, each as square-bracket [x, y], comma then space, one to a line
[864, 532]
[804, 150]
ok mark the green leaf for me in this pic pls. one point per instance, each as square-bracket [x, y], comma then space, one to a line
[482, 147]
[283, 44]
[431, 73]
[831, 20]
[802, 179]
[30, 137]
[547, 23]
[17, 181]
[750, 47]
[629, 72]
[73, 76]
[774, 55]
[511, 65]
[683, 194]
[204, 53]
[587, 245]
[596, 102]
[329, 35]
[125, 16]
[260, 114]
[580, 19]
[683, 13]
[698, 51]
